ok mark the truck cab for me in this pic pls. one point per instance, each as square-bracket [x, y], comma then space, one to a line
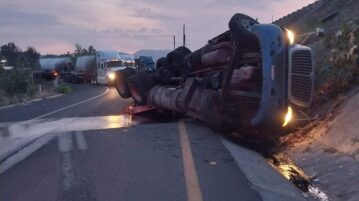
[128, 60]
[145, 63]
[107, 62]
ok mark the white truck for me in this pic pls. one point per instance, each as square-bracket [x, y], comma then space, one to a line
[99, 68]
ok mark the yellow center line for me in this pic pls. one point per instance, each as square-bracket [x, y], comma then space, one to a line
[191, 179]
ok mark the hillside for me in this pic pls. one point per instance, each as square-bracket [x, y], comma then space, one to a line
[336, 54]
[327, 149]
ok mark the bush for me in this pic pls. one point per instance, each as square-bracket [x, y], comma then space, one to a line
[13, 82]
[337, 62]
[64, 89]
[31, 90]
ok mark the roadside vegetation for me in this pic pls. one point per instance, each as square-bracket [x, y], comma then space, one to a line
[63, 89]
[16, 84]
[337, 61]
[16, 68]
[336, 54]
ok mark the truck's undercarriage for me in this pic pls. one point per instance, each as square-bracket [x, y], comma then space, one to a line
[246, 79]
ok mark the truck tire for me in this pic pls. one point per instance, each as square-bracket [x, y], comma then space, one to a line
[121, 83]
[177, 55]
[139, 86]
[241, 26]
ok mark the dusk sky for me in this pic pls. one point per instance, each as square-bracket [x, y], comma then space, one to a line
[54, 26]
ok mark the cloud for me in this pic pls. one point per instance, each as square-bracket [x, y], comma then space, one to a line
[54, 26]
[244, 3]
[149, 13]
[9, 17]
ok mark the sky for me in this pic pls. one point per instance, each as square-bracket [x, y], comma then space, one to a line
[54, 26]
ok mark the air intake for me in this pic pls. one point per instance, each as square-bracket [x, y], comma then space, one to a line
[301, 76]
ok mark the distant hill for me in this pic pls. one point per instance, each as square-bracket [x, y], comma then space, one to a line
[123, 53]
[156, 54]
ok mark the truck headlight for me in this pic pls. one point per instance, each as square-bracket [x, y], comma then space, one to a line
[111, 76]
[288, 117]
[290, 36]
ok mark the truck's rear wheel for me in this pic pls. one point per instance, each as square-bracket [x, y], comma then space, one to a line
[139, 85]
[121, 82]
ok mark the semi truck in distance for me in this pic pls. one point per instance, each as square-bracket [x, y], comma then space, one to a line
[52, 67]
[252, 78]
[128, 60]
[145, 63]
[98, 69]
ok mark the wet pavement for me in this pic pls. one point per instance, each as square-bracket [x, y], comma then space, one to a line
[92, 151]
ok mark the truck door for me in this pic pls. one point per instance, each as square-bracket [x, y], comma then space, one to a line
[101, 74]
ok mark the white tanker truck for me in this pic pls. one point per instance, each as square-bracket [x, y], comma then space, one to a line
[98, 69]
[52, 67]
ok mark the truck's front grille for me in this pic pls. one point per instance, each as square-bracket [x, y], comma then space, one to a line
[300, 76]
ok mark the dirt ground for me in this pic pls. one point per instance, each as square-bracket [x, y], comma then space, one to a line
[329, 153]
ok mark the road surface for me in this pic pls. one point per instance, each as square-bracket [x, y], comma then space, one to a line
[91, 151]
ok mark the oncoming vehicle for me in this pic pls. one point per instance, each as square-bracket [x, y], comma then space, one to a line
[251, 78]
[108, 62]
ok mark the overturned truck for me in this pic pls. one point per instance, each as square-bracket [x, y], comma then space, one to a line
[250, 78]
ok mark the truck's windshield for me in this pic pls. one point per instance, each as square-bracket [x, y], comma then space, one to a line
[129, 63]
[111, 64]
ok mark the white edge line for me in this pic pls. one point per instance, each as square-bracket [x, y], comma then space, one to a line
[70, 106]
[25, 152]
[13, 153]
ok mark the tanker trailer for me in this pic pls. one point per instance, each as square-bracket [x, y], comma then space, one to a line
[85, 70]
[53, 67]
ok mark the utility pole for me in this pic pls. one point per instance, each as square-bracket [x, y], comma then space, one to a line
[184, 35]
[174, 42]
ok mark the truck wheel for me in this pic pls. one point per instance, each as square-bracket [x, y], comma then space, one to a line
[177, 55]
[139, 86]
[121, 83]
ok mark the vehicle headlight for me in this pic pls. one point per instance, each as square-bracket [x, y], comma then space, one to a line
[290, 36]
[288, 117]
[111, 76]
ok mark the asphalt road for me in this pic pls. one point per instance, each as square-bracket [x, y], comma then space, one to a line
[156, 161]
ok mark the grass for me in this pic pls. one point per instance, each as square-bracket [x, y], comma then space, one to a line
[63, 89]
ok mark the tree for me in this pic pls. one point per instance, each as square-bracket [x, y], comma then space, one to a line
[79, 51]
[31, 56]
[10, 52]
[91, 50]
